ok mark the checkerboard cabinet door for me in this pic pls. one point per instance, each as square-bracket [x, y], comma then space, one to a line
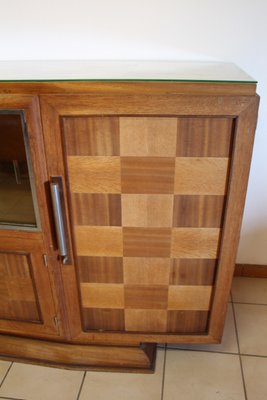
[27, 305]
[153, 188]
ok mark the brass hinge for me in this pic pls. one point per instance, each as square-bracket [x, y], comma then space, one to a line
[56, 322]
[45, 259]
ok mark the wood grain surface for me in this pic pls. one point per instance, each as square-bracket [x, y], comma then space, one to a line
[94, 174]
[141, 270]
[18, 300]
[198, 211]
[146, 242]
[147, 196]
[189, 297]
[99, 241]
[204, 137]
[100, 269]
[195, 242]
[147, 210]
[95, 136]
[100, 295]
[148, 137]
[96, 209]
[201, 175]
[147, 175]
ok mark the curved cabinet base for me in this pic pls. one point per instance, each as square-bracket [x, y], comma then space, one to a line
[85, 357]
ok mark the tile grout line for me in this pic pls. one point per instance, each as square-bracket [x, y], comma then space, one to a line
[203, 351]
[239, 355]
[6, 374]
[252, 355]
[216, 352]
[81, 386]
[163, 373]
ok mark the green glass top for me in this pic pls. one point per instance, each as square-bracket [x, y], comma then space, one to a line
[180, 71]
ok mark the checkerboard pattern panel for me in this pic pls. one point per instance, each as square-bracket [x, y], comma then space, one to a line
[147, 201]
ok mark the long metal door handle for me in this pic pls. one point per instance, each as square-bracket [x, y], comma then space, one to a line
[57, 200]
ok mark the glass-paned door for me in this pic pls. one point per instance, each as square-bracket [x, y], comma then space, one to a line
[18, 205]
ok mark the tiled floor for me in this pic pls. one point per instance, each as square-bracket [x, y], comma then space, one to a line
[233, 370]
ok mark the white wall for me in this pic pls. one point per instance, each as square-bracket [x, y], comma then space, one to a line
[229, 30]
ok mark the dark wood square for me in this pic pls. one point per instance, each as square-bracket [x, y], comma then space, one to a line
[146, 296]
[193, 271]
[92, 136]
[103, 319]
[146, 242]
[96, 209]
[147, 175]
[187, 321]
[198, 211]
[204, 137]
[100, 269]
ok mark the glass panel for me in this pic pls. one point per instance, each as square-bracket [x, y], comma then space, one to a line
[122, 70]
[16, 195]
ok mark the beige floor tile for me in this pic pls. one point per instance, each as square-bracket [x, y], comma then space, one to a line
[255, 371]
[229, 340]
[124, 386]
[251, 323]
[33, 382]
[249, 290]
[192, 375]
[4, 365]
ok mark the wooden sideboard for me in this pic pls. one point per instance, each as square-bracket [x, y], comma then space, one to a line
[150, 177]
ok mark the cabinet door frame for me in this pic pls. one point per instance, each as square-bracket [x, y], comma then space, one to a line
[242, 108]
[37, 243]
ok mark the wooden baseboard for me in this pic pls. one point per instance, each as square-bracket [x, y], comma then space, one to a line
[251, 270]
[82, 357]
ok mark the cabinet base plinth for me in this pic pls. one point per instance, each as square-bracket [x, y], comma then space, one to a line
[76, 356]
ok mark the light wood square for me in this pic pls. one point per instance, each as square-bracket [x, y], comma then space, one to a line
[146, 320]
[98, 241]
[200, 175]
[147, 210]
[146, 271]
[195, 242]
[94, 174]
[189, 297]
[148, 136]
[102, 295]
